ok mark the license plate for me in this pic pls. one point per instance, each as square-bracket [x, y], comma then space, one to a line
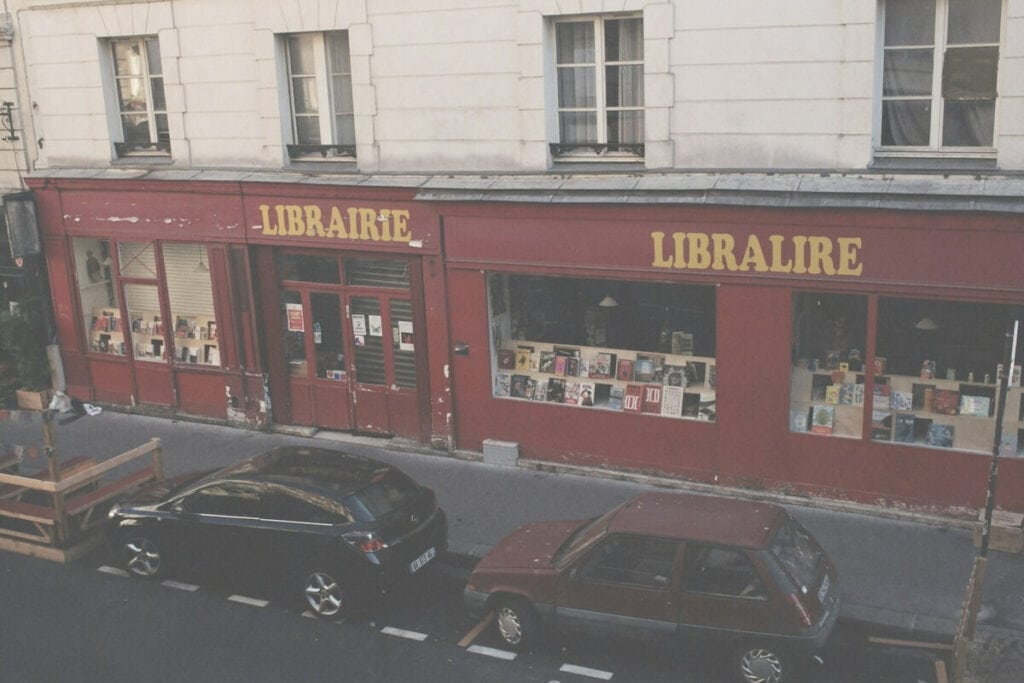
[422, 560]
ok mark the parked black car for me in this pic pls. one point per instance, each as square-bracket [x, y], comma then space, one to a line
[338, 527]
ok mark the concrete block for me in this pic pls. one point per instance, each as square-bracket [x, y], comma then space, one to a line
[1005, 534]
[503, 453]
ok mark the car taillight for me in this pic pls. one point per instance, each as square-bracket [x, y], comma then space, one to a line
[805, 616]
[366, 542]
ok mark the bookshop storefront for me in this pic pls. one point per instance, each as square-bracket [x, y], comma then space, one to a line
[248, 302]
[846, 354]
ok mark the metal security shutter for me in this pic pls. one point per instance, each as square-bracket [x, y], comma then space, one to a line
[363, 272]
[188, 286]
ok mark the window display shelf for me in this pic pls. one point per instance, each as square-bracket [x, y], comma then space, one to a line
[667, 385]
[195, 340]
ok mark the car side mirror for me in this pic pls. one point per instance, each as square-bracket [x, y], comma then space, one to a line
[178, 508]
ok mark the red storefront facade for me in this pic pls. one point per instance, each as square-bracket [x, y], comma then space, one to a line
[844, 353]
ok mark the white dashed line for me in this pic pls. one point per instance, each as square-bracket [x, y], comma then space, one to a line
[177, 585]
[402, 633]
[113, 570]
[248, 601]
[491, 652]
[584, 671]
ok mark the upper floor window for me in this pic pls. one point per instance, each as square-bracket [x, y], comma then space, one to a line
[139, 86]
[320, 89]
[939, 65]
[599, 69]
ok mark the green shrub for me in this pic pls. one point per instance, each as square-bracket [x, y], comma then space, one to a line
[23, 345]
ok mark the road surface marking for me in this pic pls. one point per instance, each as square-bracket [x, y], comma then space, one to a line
[177, 585]
[248, 601]
[402, 633]
[491, 652]
[477, 630]
[113, 570]
[584, 671]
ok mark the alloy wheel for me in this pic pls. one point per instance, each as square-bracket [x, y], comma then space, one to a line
[323, 595]
[142, 557]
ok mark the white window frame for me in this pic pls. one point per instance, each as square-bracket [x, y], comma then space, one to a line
[939, 45]
[597, 149]
[122, 146]
[330, 147]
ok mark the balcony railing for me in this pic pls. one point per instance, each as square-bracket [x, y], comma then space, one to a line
[619, 150]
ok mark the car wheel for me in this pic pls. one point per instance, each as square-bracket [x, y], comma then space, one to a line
[517, 622]
[324, 595]
[761, 663]
[141, 556]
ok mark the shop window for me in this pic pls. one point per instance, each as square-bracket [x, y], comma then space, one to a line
[939, 73]
[828, 376]
[645, 348]
[599, 76]
[137, 259]
[98, 295]
[320, 93]
[937, 365]
[139, 91]
[190, 293]
[307, 268]
[293, 322]
[148, 330]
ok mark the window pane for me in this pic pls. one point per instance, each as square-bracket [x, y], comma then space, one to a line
[342, 86]
[626, 127]
[300, 55]
[337, 52]
[190, 292]
[404, 343]
[136, 129]
[909, 22]
[127, 58]
[153, 56]
[369, 348]
[968, 123]
[575, 43]
[137, 259]
[364, 272]
[970, 72]
[906, 123]
[293, 326]
[577, 88]
[97, 292]
[159, 101]
[625, 86]
[827, 389]
[328, 336]
[907, 73]
[577, 127]
[717, 571]
[307, 268]
[131, 94]
[149, 332]
[346, 127]
[162, 131]
[974, 21]
[304, 98]
[307, 130]
[624, 40]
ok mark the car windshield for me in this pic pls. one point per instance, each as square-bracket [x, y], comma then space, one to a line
[584, 535]
[387, 491]
[799, 554]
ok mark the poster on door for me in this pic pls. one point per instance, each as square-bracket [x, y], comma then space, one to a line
[359, 330]
[405, 335]
[296, 321]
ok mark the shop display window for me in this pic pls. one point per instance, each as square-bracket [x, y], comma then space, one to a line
[635, 347]
[936, 371]
[100, 305]
[827, 389]
[148, 329]
[190, 294]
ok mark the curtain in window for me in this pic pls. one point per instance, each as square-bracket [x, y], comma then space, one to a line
[624, 82]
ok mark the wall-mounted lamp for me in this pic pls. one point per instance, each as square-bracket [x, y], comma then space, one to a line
[201, 267]
[608, 302]
[926, 324]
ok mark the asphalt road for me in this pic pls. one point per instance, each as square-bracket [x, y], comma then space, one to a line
[89, 622]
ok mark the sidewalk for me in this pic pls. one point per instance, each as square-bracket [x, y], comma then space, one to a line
[902, 574]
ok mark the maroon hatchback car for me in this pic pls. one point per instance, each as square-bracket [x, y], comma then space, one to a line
[690, 567]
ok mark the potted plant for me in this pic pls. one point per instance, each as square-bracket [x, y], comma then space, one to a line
[23, 342]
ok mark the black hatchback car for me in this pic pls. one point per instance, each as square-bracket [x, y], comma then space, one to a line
[338, 527]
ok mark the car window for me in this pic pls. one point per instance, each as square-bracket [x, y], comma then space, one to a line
[633, 560]
[721, 571]
[388, 491]
[287, 505]
[797, 551]
[233, 499]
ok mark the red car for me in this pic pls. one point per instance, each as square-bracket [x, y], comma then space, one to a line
[690, 567]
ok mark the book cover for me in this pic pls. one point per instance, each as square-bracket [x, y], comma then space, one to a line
[858, 394]
[572, 366]
[546, 362]
[531, 389]
[506, 359]
[652, 399]
[560, 365]
[798, 420]
[691, 404]
[624, 370]
[940, 435]
[523, 357]
[541, 391]
[881, 425]
[945, 401]
[585, 368]
[572, 393]
[707, 406]
[712, 375]
[672, 400]
[556, 390]
[518, 386]
[587, 390]
[632, 399]
[903, 430]
[1009, 443]
[603, 366]
[819, 385]
[822, 418]
[503, 384]
[696, 372]
[928, 369]
[901, 400]
[977, 406]
[922, 396]
[882, 397]
[878, 365]
[615, 397]
[674, 376]
[832, 394]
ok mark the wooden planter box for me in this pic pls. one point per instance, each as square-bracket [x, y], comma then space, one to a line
[33, 400]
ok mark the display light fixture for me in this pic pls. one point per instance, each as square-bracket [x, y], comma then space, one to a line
[926, 324]
[608, 302]
[201, 267]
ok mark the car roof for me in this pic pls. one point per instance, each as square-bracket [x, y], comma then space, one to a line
[694, 517]
[312, 469]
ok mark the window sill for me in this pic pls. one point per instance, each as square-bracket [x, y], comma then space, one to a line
[975, 160]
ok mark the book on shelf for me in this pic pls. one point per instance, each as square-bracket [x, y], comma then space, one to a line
[819, 387]
[940, 435]
[713, 375]
[556, 390]
[881, 424]
[696, 372]
[708, 406]
[506, 359]
[531, 389]
[615, 397]
[603, 366]
[560, 365]
[647, 368]
[691, 404]
[682, 344]
[1009, 442]
[822, 418]
[832, 394]
[503, 384]
[945, 401]
[585, 366]
[652, 399]
[624, 370]
[517, 387]
[928, 369]
[798, 419]
[587, 391]
[571, 393]
[633, 398]
[674, 376]
[540, 393]
[546, 362]
[901, 400]
[922, 396]
[878, 365]
[903, 431]
[523, 357]
[572, 366]
[976, 406]
[672, 400]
